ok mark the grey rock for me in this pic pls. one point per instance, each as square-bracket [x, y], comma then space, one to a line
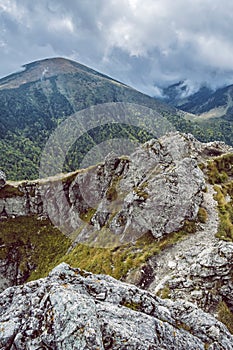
[204, 278]
[2, 179]
[63, 311]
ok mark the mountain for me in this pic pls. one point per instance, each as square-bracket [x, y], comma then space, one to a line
[204, 103]
[169, 201]
[159, 218]
[183, 97]
[35, 101]
[210, 109]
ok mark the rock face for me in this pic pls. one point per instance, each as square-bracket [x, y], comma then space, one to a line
[155, 191]
[2, 179]
[202, 275]
[73, 309]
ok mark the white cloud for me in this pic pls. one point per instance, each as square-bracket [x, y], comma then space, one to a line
[61, 24]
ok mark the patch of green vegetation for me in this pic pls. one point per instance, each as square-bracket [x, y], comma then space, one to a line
[111, 193]
[202, 215]
[164, 293]
[141, 190]
[225, 229]
[183, 325]
[225, 315]
[220, 169]
[131, 305]
[87, 214]
[36, 245]
[9, 191]
[117, 261]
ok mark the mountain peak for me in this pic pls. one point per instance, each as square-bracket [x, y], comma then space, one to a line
[35, 71]
[46, 68]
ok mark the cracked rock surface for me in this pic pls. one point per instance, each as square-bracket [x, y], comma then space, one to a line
[74, 309]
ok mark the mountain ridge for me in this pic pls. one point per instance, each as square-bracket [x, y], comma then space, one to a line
[171, 199]
[204, 103]
[60, 88]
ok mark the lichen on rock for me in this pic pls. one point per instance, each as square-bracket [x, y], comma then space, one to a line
[74, 309]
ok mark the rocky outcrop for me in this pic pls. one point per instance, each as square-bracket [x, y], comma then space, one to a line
[74, 309]
[155, 190]
[202, 275]
[152, 192]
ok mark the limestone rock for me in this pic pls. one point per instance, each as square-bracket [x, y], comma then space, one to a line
[73, 309]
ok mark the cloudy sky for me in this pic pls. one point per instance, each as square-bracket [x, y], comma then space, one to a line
[146, 44]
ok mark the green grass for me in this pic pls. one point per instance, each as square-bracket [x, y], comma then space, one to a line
[219, 172]
[87, 214]
[112, 192]
[202, 215]
[119, 260]
[225, 316]
[225, 229]
[37, 246]
[31, 242]
[131, 305]
[164, 293]
[141, 190]
[220, 169]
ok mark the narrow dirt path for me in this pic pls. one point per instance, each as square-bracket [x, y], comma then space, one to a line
[165, 264]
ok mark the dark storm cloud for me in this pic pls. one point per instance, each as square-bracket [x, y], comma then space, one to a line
[143, 43]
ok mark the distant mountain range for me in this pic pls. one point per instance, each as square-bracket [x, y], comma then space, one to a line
[35, 101]
[204, 103]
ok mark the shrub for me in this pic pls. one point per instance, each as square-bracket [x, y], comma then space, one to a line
[202, 215]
